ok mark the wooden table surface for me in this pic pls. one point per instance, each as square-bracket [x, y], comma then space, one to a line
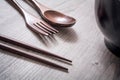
[83, 43]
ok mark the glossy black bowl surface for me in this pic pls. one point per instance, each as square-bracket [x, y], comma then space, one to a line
[108, 18]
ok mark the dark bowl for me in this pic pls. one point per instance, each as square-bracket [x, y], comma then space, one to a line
[108, 18]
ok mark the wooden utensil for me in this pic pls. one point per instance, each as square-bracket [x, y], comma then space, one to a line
[53, 17]
[33, 48]
[30, 56]
[32, 22]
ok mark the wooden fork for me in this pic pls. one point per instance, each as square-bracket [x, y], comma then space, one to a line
[34, 23]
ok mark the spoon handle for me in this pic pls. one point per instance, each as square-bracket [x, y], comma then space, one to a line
[38, 6]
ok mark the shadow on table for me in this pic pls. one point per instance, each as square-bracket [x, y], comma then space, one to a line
[33, 61]
[46, 40]
[117, 71]
[66, 34]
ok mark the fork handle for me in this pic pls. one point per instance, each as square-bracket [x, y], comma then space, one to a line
[18, 7]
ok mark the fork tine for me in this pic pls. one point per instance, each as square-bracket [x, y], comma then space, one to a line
[50, 30]
[42, 28]
[49, 27]
[37, 30]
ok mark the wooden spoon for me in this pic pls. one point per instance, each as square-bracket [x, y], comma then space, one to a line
[51, 16]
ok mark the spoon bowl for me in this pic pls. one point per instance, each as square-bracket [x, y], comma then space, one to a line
[53, 17]
[57, 18]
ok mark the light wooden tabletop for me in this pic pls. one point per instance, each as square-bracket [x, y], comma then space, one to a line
[83, 43]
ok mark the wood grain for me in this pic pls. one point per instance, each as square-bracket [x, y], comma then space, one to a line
[83, 44]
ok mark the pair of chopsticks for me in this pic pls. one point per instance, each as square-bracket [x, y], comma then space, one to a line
[32, 56]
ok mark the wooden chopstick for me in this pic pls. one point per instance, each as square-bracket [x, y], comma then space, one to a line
[30, 47]
[32, 56]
